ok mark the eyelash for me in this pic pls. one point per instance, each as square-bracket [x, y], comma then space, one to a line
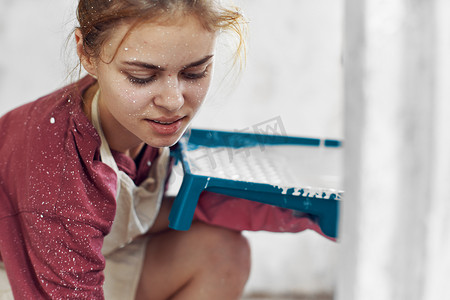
[141, 81]
[194, 76]
[187, 76]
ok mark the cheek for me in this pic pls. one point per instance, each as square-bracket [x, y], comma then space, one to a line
[130, 96]
[198, 93]
[121, 94]
[131, 100]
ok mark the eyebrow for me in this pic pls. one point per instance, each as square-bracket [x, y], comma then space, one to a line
[155, 67]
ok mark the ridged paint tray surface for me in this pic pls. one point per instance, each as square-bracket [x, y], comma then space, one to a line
[303, 174]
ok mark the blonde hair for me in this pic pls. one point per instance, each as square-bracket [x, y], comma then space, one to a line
[97, 19]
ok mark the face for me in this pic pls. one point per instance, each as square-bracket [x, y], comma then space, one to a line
[156, 83]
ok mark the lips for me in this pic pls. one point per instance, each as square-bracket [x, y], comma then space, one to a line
[166, 126]
[162, 123]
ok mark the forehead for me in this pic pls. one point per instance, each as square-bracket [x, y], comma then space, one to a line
[161, 43]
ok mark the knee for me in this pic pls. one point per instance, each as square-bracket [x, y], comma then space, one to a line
[234, 254]
[226, 252]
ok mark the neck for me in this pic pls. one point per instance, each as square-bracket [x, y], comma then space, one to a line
[88, 97]
[133, 152]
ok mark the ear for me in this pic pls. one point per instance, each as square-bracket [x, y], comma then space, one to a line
[86, 61]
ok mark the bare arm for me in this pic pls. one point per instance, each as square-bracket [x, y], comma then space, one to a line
[162, 220]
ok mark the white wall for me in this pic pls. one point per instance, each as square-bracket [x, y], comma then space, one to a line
[395, 221]
[32, 58]
[293, 72]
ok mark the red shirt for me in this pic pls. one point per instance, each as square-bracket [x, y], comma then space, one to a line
[57, 199]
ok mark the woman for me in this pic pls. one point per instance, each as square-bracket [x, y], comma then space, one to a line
[83, 170]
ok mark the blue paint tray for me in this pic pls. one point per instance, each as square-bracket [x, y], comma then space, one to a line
[302, 174]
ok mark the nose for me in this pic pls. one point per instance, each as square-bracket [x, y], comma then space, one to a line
[171, 95]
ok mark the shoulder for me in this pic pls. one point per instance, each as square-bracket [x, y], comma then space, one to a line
[46, 130]
[63, 105]
[48, 146]
[47, 119]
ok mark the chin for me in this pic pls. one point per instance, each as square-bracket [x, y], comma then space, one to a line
[160, 142]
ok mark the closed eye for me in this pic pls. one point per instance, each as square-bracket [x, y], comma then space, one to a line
[194, 75]
[141, 81]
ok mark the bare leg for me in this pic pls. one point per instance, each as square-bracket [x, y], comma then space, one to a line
[205, 262]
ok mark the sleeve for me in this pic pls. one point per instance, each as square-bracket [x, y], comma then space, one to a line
[240, 214]
[60, 200]
[65, 256]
